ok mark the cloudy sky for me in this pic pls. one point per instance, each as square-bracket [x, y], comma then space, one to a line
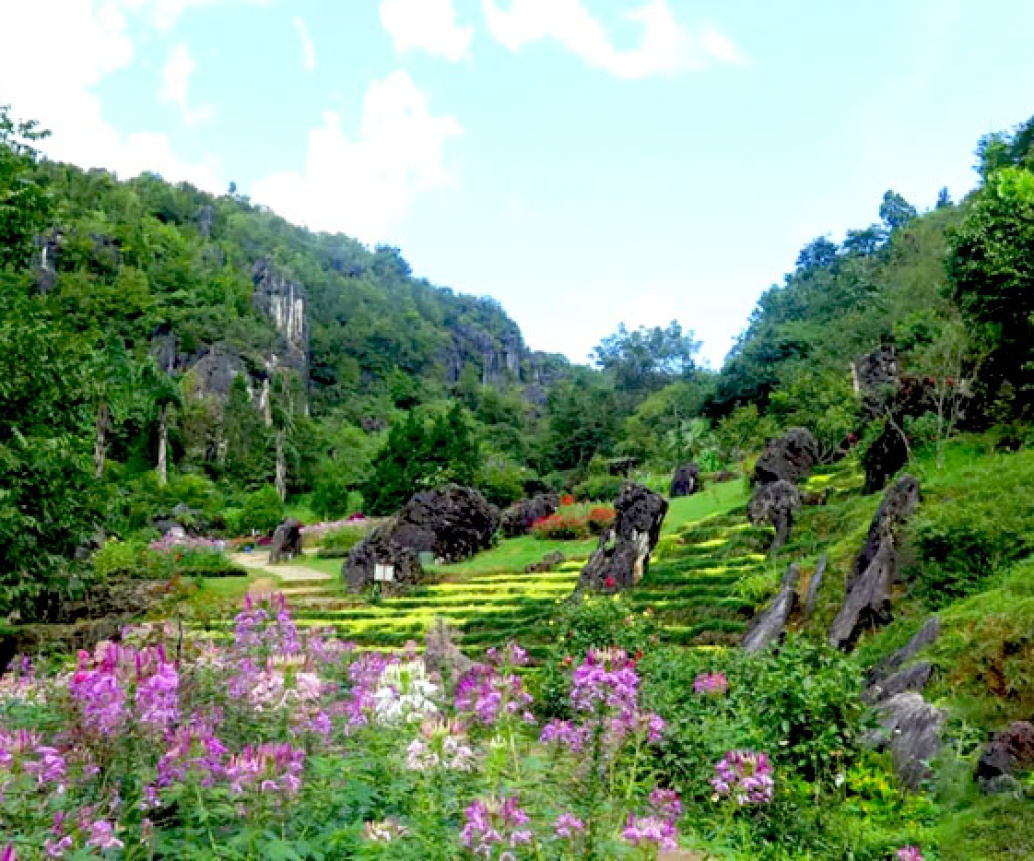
[586, 162]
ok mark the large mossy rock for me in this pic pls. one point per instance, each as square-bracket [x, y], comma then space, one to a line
[450, 523]
[769, 626]
[685, 481]
[910, 729]
[867, 603]
[623, 553]
[790, 457]
[519, 517]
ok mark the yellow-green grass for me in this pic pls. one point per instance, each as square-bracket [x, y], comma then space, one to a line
[515, 554]
[713, 499]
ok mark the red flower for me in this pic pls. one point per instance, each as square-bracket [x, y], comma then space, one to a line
[638, 654]
[567, 499]
[568, 660]
[610, 583]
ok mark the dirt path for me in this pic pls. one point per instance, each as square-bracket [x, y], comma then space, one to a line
[259, 561]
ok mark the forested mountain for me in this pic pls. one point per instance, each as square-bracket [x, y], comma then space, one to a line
[159, 345]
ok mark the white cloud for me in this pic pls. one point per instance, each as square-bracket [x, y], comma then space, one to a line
[91, 40]
[429, 25]
[359, 186]
[164, 14]
[308, 47]
[176, 82]
[665, 47]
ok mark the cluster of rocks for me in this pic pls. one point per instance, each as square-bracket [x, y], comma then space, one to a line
[521, 516]
[448, 523]
[623, 553]
[784, 462]
[549, 562]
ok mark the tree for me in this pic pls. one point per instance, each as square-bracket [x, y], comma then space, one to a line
[895, 211]
[817, 254]
[944, 199]
[112, 387]
[991, 266]
[162, 395]
[25, 204]
[583, 421]
[285, 398]
[645, 360]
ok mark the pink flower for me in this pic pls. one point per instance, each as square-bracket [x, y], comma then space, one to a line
[909, 853]
[567, 825]
[711, 683]
[745, 777]
[102, 835]
[650, 830]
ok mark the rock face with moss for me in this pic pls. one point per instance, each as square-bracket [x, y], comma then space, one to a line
[868, 588]
[790, 457]
[623, 553]
[451, 523]
[777, 504]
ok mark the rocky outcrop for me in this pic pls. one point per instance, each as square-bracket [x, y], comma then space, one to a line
[519, 517]
[684, 480]
[283, 302]
[876, 378]
[623, 553]
[929, 632]
[777, 504]
[867, 603]
[1009, 751]
[910, 729]
[214, 372]
[915, 678]
[768, 627]
[450, 523]
[287, 541]
[814, 584]
[790, 457]
[442, 655]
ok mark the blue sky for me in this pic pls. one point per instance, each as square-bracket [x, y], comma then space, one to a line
[585, 162]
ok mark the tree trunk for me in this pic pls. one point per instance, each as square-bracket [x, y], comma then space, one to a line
[281, 466]
[100, 441]
[163, 445]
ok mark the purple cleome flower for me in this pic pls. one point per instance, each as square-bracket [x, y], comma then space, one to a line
[650, 831]
[745, 777]
[909, 853]
[495, 822]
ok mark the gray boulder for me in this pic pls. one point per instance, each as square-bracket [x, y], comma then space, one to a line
[775, 503]
[790, 457]
[910, 729]
[378, 548]
[914, 678]
[813, 586]
[549, 562]
[768, 627]
[867, 603]
[287, 541]
[929, 632]
[623, 553]
[685, 480]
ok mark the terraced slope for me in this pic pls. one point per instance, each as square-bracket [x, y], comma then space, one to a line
[694, 585]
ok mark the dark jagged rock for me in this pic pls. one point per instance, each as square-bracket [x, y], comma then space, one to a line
[768, 627]
[877, 378]
[929, 632]
[1008, 752]
[684, 481]
[623, 553]
[775, 503]
[450, 523]
[519, 517]
[622, 467]
[214, 372]
[813, 586]
[915, 678]
[910, 729]
[790, 457]
[549, 562]
[868, 588]
[287, 541]
[378, 548]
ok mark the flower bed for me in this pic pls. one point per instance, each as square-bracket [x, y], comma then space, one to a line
[574, 522]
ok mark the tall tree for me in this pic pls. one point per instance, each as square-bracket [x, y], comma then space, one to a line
[25, 205]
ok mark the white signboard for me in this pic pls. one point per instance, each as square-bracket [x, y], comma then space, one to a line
[383, 573]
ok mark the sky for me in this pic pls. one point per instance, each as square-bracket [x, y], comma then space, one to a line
[585, 162]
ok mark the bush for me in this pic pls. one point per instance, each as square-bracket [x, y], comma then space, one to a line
[119, 558]
[573, 522]
[338, 543]
[604, 488]
[263, 511]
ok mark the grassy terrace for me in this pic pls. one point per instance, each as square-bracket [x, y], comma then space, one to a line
[706, 550]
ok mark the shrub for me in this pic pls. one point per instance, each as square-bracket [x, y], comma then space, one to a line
[263, 511]
[600, 518]
[119, 558]
[337, 543]
[603, 488]
[573, 522]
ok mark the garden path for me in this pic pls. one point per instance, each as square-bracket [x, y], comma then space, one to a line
[259, 561]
